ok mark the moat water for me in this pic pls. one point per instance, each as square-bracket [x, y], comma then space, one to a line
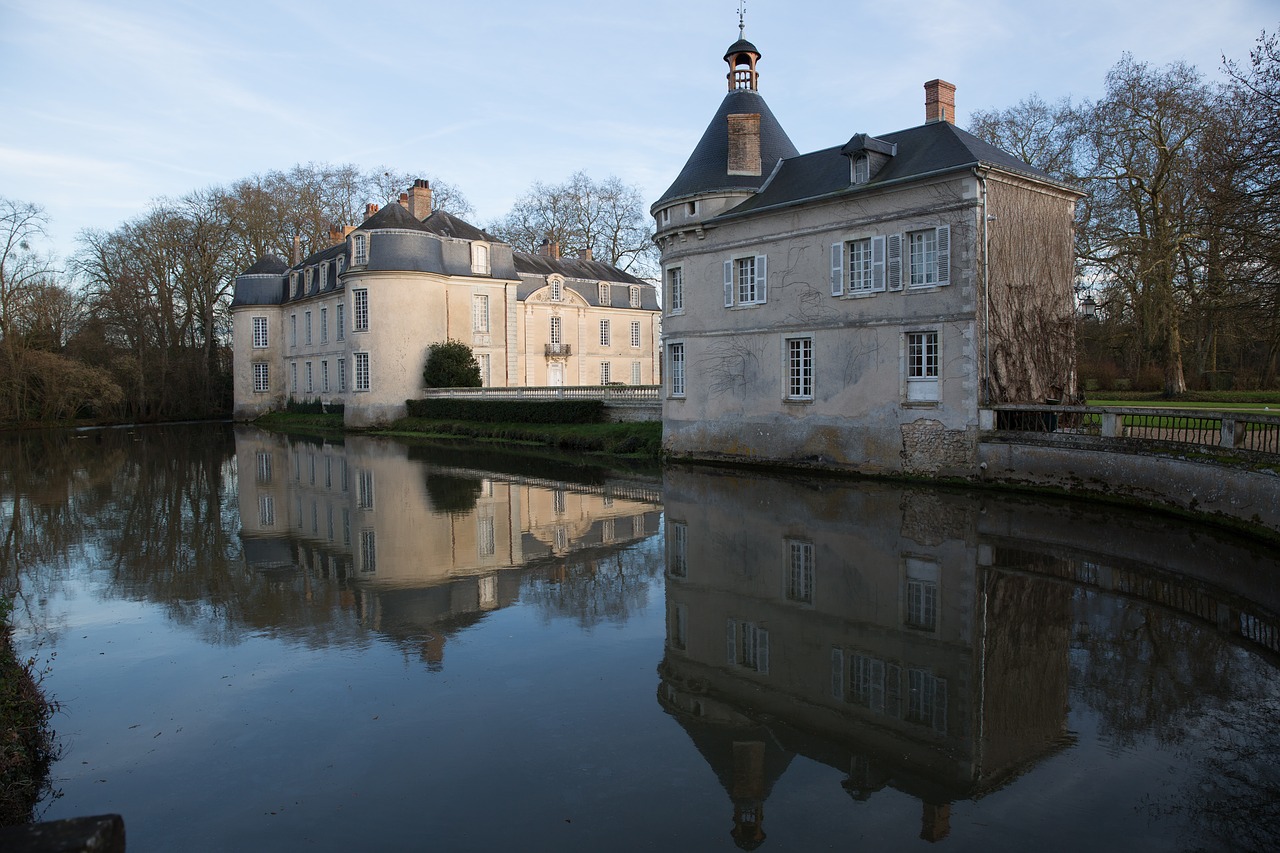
[271, 643]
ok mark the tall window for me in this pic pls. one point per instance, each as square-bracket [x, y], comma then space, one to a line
[677, 549]
[364, 488]
[324, 276]
[309, 385]
[293, 330]
[605, 336]
[920, 607]
[486, 540]
[606, 373]
[486, 362]
[557, 332]
[635, 334]
[479, 259]
[745, 281]
[800, 571]
[635, 373]
[324, 325]
[861, 169]
[259, 332]
[324, 376]
[360, 249]
[676, 354]
[557, 290]
[922, 365]
[606, 294]
[264, 466]
[745, 269]
[362, 370]
[342, 375]
[929, 256]
[860, 277]
[799, 368]
[340, 320]
[927, 699]
[306, 328]
[675, 290]
[634, 296]
[368, 551]
[360, 323]
[293, 285]
[480, 313]
[748, 646]
[261, 376]
[266, 511]
[293, 377]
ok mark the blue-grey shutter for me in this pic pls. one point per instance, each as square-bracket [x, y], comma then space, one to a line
[893, 265]
[728, 284]
[944, 254]
[837, 269]
[762, 278]
[877, 264]
[731, 641]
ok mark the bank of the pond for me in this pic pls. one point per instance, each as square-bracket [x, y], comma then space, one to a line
[627, 440]
[26, 738]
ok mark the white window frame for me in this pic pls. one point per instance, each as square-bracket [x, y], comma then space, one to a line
[340, 320]
[633, 296]
[306, 328]
[310, 385]
[360, 365]
[324, 325]
[293, 330]
[606, 294]
[342, 376]
[480, 259]
[748, 646]
[261, 377]
[359, 249]
[922, 350]
[360, 310]
[606, 373]
[800, 571]
[677, 549]
[480, 313]
[636, 376]
[635, 334]
[861, 167]
[929, 257]
[485, 360]
[746, 281]
[555, 331]
[324, 276]
[675, 290]
[606, 334]
[676, 360]
[261, 338]
[798, 367]
[324, 376]
[293, 377]
[557, 289]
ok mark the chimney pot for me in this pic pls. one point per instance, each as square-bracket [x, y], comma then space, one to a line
[404, 200]
[297, 249]
[586, 254]
[370, 210]
[420, 199]
[939, 102]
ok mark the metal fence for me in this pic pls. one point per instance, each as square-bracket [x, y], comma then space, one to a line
[1205, 428]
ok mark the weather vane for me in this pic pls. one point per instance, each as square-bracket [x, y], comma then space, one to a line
[742, 13]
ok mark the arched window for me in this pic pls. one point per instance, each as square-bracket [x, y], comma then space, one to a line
[360, 250]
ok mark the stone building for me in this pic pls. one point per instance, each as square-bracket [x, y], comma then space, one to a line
[352, 323]
[855, 306]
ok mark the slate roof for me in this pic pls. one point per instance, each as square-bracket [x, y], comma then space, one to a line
[393, 215]
[929, 148]
[267, 265]
[528, 264]
[447, 225]
[707, 169]
[741, 46]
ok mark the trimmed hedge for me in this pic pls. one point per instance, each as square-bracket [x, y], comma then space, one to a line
[509, 411]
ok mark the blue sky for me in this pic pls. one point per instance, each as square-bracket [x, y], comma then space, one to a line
[107, 105]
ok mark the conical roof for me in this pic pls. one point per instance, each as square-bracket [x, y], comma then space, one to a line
[707, 169]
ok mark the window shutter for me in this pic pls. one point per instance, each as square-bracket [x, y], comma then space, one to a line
[893, 265]
[837, 673]
[762, 651]
[944, 254]
[728, 284]
[731, 641]
[762, 278]
[877, 264]
[837, 269]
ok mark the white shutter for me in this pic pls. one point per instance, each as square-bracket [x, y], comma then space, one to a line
[731, 641]
[877, 264]
[762, 651]
[837, 269]
[893, 265]
[944, 254]
[728, 284]
[762, 278]
[837, 673]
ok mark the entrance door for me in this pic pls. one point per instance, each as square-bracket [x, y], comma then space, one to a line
[555, 374]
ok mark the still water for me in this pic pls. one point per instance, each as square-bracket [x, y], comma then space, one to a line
[270, 643]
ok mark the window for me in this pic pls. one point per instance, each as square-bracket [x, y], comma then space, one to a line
[293, 285]
[606, 371]
[865, 267]
[799, 368]
[929, 256]
[745, 281]
[480, 313]
[264, 466]
[557, 332]
[675, 290]
[606, 294]
[635, 334]
[259, 332]
[364, 488]
[340, 320]
[309, 385]
[342, 264]
[664, 215]
[920, 607]
[261, 376]
[293, 330]
[324, 276]
[368, 551]
[361, 362]
[309, 276]
[360, 250]
[861, 169]
[324, 376]
[360, 323]
[927, 699]
[676, 354]
[875, 684]
[266, 511]
[486, 538]
[293, 378]
[922, 366]
[748, 646]
[324, 325]
[306, 328]
[342, 375]
[486, 362]
[605, 336]
[635, 373]
[479, 258]
[677, 549]
[800, 571]
[634, 296]
[692, 208]
[557, 290]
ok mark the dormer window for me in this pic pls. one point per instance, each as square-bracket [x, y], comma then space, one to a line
[342, 264]
[324, 276]
[557, 290]
[293, 285]
[308, 274]
[360, 250]
[479, 259]
[606, 295]
[861, 169]
[635, 296]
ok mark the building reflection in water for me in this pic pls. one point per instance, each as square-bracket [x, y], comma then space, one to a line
[416, 549]
[911, 639]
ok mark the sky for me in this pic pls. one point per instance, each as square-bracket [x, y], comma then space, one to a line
[107, 105]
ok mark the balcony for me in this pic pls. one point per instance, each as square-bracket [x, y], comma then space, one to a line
[558, 350]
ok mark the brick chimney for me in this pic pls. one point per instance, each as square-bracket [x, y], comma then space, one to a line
[744, 144]
[549, 249]
[404, 200]
[939, 102]
[370, 210]
[335, 235]
[586, 254]
[297, 249]
[420, 199]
